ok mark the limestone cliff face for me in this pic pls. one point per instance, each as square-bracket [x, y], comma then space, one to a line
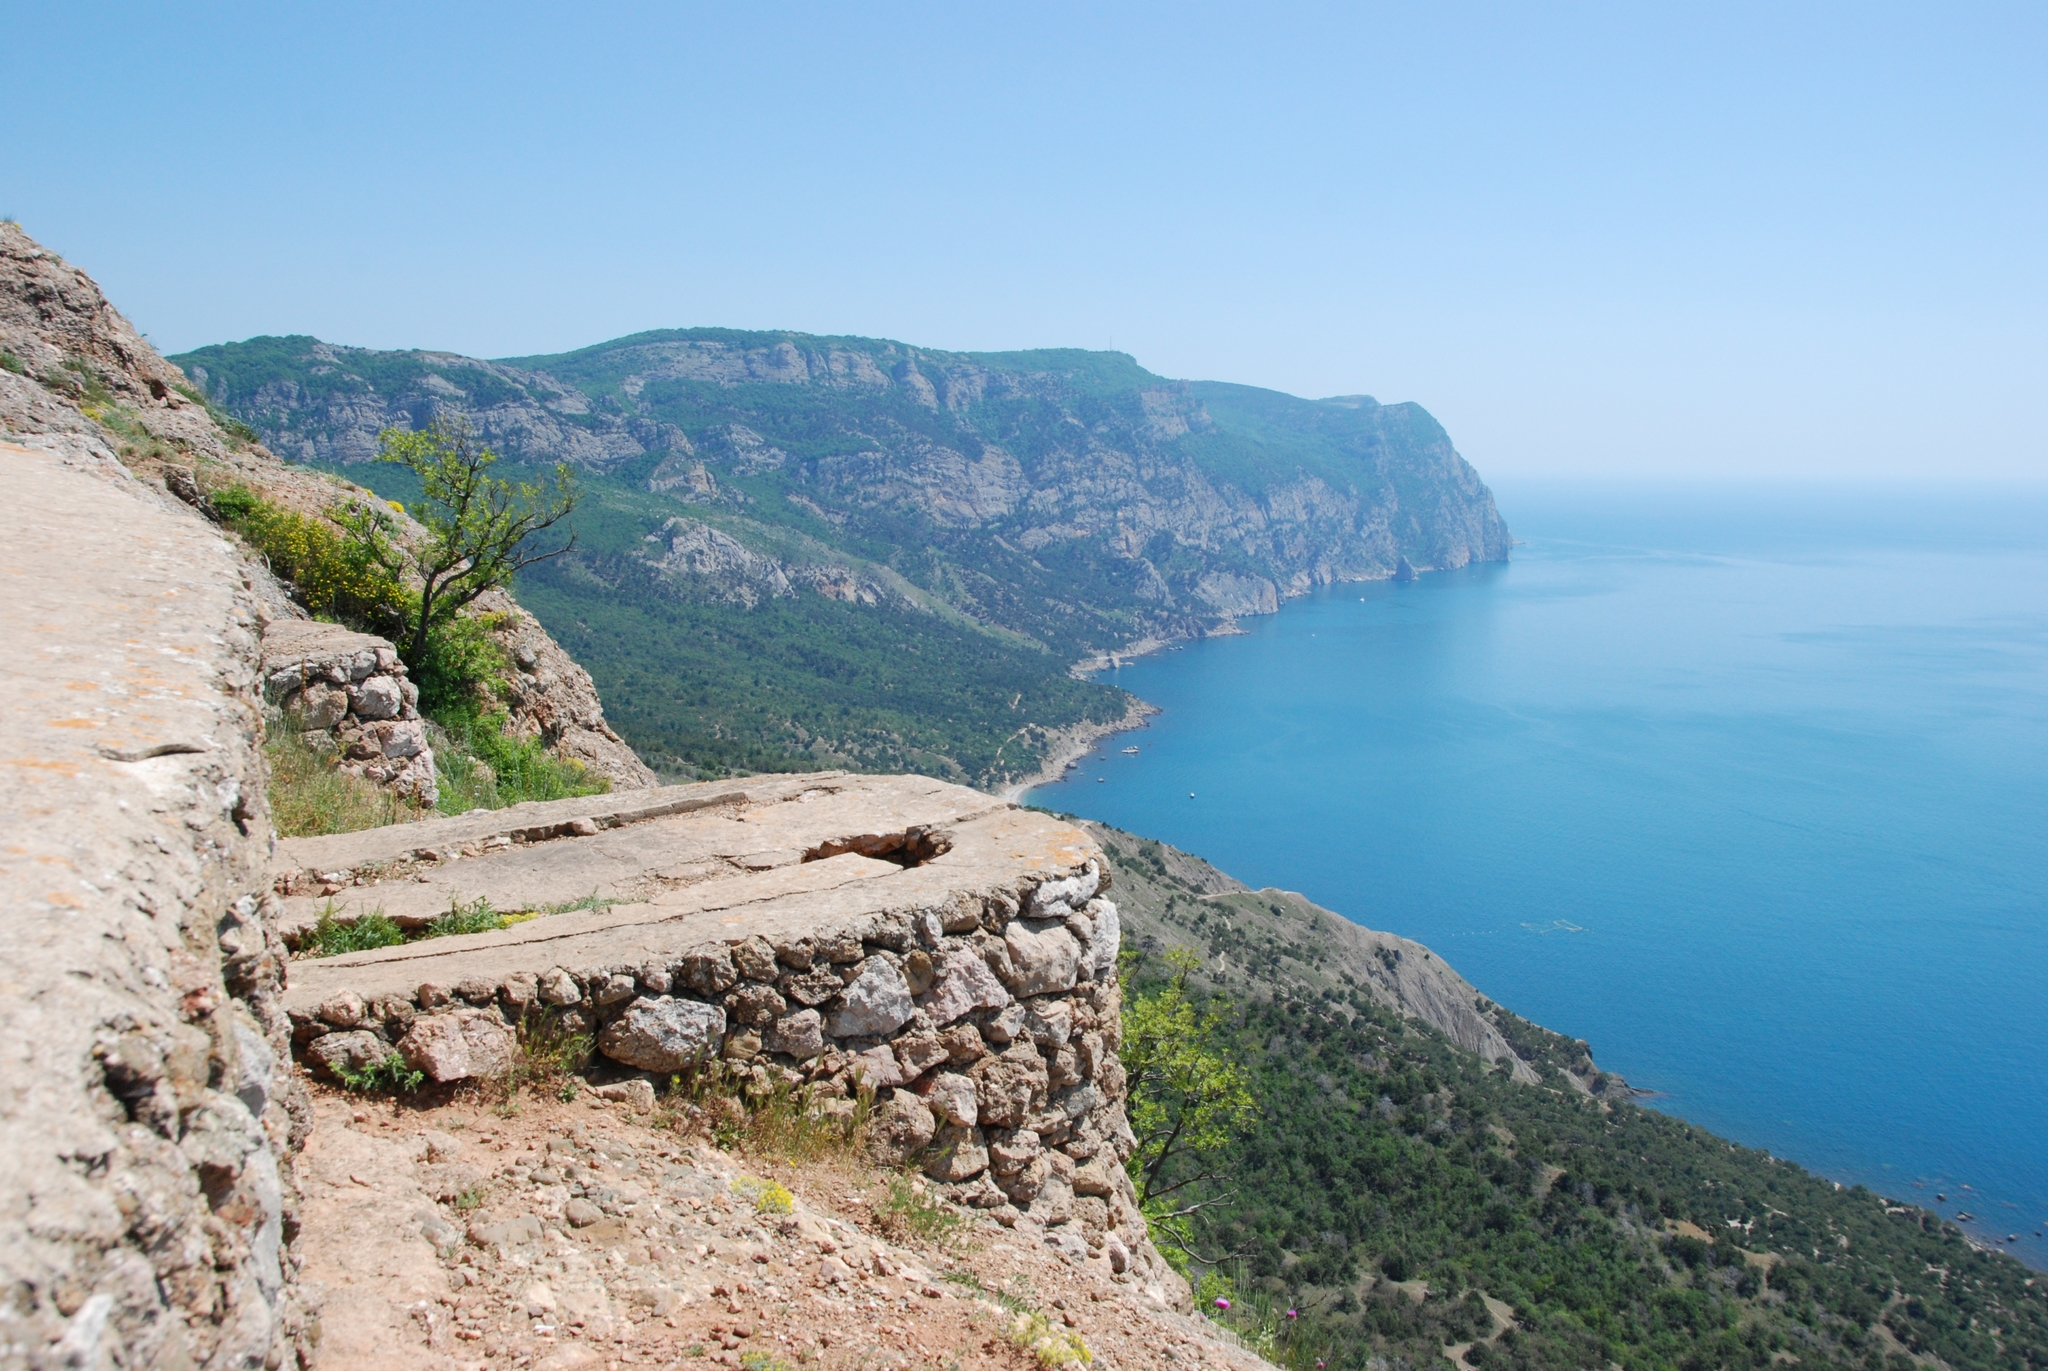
[1188, 503]
[78, 379]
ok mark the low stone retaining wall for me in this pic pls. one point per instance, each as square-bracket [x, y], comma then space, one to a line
[973, 993]
[349, 690]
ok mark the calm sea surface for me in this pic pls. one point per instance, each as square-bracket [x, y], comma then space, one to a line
[1748, 786]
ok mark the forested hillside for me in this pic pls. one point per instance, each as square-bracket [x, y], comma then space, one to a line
[799, 551]
[1404, 1195]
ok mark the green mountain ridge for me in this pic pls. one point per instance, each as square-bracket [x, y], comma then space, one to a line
[842, 524]
[1414, 1194]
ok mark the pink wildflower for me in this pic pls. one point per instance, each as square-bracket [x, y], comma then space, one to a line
[1222, 1303]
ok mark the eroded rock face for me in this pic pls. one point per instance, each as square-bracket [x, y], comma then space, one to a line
[145, 1020]
[664, 1034]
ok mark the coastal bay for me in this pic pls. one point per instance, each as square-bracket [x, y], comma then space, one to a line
[1745, 786]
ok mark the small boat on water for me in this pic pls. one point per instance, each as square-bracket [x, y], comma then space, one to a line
[1130, 752]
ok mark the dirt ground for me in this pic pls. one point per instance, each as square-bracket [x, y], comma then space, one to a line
[462, 1233]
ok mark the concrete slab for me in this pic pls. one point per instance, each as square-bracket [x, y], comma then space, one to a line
[676, 837]
[686, 879]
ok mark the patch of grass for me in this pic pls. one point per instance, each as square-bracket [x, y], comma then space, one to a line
[1029, 1330]
[549, 1055]
[593, 902]
[9, 362]
[309, 796]
[331, 936]
[1011, 1303]
[388, 1077]
[781, 1119]
[760, 1360]
[469, 1199]
[912, 1211]
[1052, 1346]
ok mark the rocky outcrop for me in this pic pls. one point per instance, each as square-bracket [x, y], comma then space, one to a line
[712, 565]
[147, 1078]
[348, 692]
[951, 954]
[76, 378]
[149, 1093]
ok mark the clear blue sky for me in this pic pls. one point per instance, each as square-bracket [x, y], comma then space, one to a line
[1782, 239]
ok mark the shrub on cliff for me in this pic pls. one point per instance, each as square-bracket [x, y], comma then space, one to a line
[478, 527]
[1188, 1100]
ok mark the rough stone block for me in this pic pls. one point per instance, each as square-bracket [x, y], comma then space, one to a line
[663, 1034]
[458, 1045]
[1043, 960]
[876, 1004]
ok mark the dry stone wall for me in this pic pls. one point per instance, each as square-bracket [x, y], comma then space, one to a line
[349, 691]
[972, 993]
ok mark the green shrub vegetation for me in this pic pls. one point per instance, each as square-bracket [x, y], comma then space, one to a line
[481, 766]
[335, 576]
[1384, 1163]
[345, 569]
[478, 528]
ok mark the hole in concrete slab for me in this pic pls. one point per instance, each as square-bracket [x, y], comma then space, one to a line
[913, 847]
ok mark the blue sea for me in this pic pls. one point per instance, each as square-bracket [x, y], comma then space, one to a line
[1748, 786]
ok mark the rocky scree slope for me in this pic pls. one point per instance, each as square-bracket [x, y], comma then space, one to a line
[800, 512]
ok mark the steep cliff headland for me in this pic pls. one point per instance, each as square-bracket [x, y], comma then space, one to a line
[804, 551]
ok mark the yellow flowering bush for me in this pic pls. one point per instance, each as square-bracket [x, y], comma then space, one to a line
[336, 575]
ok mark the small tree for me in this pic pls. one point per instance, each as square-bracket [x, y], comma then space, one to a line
[478, 525]
[1187, 1100]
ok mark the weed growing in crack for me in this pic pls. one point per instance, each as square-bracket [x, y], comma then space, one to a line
[332, 936]
[912, 1211]
[390, 1076]
[475, 917]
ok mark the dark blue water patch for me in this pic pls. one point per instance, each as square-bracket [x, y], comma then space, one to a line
[1748, 787]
